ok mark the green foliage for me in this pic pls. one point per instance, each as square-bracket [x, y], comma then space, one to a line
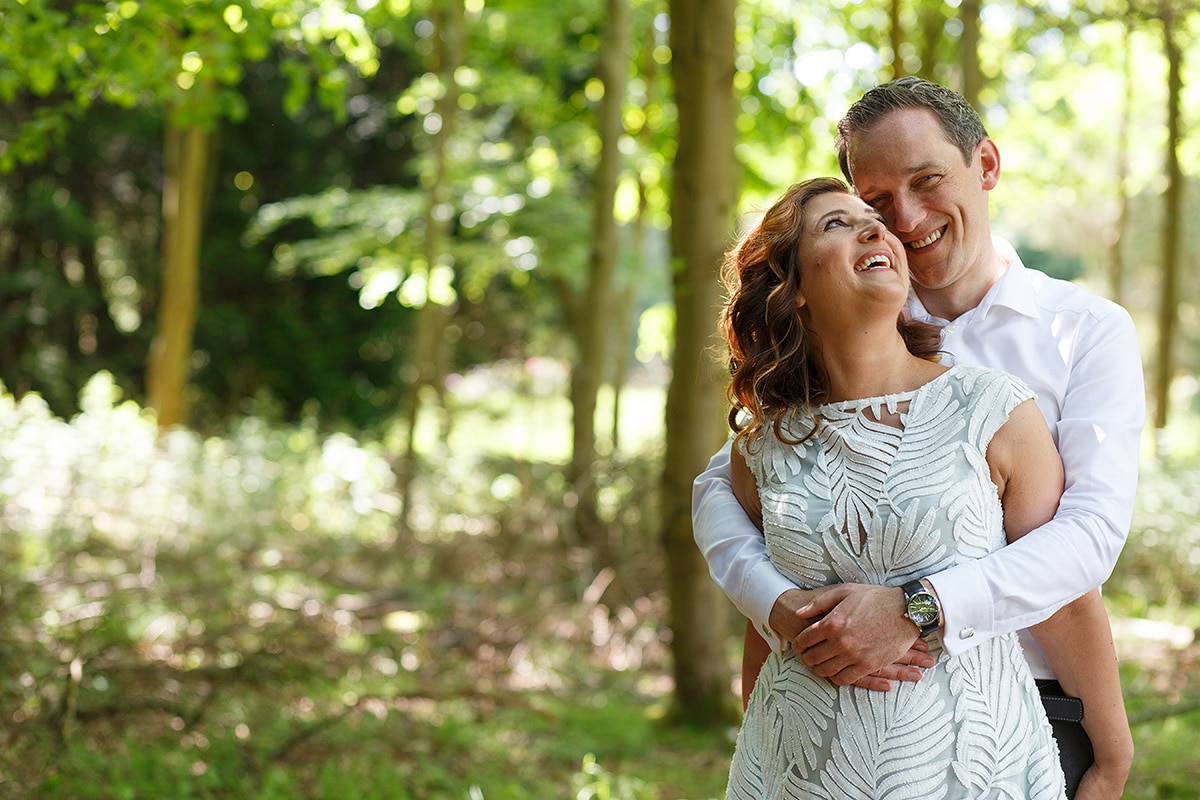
[170, 54]
[595, 783]
[1160, 565]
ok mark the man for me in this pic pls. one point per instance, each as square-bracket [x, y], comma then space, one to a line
[919, 154]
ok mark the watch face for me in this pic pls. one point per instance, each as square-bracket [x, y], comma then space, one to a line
[923, 609]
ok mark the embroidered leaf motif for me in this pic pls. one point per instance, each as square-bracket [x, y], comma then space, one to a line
[894, 744]
[895, 545]
[858, 451]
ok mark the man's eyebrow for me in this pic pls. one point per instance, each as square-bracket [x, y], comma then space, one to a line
[916, 169]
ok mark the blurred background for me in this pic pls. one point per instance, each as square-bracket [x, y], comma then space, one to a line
[356, 359]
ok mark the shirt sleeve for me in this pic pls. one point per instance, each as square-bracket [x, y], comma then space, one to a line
[734, 547]
[1099, 434]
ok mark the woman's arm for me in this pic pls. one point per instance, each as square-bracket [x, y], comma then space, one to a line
[1077, 640]
[754, 649]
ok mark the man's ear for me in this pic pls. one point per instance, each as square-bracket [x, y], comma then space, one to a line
[989, 163]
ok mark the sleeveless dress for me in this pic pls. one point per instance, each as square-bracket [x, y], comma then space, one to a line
[865, 501]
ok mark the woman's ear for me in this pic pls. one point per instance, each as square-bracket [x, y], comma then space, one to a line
[800, 301]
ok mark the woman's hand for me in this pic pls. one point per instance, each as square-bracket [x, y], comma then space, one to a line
[1103, 782]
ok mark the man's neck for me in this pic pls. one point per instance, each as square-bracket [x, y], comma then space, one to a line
[951, 302]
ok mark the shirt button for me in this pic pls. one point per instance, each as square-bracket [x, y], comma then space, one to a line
[767, 632]
[966, 633]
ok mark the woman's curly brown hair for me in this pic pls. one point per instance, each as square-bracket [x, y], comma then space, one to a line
[774, 360]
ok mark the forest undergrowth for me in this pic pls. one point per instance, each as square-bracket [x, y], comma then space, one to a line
[240, 616]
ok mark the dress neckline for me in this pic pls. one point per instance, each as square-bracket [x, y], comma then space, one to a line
[884, 400]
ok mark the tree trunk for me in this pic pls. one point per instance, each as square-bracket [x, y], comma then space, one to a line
[896, 33]
[704, 189]
[933, 27]
[626, 295]
[972, 77]
[429, 346]
[1116, 254]
[594, 319]
[1172, 244]
[188, 153]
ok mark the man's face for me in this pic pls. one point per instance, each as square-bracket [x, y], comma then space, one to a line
[909, 172]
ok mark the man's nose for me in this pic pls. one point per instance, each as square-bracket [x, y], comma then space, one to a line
[904, 215]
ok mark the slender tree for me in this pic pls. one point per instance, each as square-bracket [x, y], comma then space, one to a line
[972, 76]
[896, 33]
[1116, 252]
[429, 351]
[188, 157]
[593, 317]
[704, 188]
[1172, 245]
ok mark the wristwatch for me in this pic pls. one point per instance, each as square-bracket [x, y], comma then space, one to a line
[922, 607]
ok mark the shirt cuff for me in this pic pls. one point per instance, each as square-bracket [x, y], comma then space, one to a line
[763, 587]
[966, 611]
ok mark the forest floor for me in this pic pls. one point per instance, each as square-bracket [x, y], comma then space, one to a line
[242, 619]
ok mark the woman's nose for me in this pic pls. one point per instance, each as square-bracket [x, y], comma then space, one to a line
[871, 229]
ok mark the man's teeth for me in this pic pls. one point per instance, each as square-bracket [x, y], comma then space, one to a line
[928, 240]
[872, 263]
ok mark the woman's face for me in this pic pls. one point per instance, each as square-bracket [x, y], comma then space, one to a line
[850, 265]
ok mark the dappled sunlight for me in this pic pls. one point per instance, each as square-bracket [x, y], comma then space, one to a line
[519, 409]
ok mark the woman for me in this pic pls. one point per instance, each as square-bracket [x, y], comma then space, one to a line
[864, 460]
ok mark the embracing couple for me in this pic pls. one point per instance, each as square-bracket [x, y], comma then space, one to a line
[932, 470]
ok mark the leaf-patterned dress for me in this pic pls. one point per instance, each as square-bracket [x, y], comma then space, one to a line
[867, 500]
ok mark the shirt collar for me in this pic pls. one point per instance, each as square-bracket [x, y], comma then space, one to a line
[1012, 290]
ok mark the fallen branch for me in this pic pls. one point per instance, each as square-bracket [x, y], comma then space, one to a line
[1185, 706]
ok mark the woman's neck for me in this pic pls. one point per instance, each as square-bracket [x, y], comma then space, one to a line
[872, 366]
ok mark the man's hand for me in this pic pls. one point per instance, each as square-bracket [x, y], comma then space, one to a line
[855, 631]
[797, 610]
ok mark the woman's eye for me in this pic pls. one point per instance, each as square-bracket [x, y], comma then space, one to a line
[834, 222]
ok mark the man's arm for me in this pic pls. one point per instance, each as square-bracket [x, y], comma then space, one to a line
[1020, 585]
[1099, 437]
[735, 550]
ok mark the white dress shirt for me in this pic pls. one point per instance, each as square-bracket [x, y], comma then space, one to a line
[1079, 353]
